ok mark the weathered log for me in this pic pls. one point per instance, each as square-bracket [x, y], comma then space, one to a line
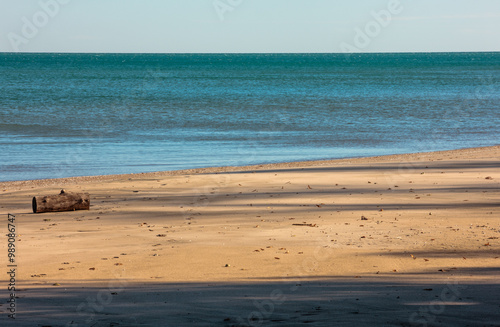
[61, 202]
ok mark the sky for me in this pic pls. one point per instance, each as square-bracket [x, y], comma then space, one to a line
[249, 26]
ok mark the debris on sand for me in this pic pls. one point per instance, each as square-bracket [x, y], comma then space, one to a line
[305, 224]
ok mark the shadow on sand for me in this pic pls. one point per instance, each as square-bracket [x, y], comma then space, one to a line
[293, 301]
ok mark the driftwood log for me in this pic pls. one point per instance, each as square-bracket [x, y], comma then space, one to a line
[64, 201]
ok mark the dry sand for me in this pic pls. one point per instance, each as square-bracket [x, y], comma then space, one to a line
[387, 241]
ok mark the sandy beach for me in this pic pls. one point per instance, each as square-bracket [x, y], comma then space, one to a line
[403, 240]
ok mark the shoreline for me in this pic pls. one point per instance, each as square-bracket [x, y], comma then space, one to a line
[377, 241]
[258, 167]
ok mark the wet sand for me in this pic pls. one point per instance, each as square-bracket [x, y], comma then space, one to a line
[404, 240]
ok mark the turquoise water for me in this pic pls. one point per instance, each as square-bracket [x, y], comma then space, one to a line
[90, 114]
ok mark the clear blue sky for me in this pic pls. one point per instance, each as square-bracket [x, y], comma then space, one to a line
[171, 26]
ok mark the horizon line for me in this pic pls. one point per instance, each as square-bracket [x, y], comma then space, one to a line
[246, 53]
